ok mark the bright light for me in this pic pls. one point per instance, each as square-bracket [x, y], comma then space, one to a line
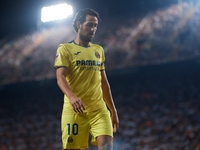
[56, 12]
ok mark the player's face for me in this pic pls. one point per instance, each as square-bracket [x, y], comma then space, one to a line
[88, 28]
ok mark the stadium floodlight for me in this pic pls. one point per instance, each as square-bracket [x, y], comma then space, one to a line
[56, 12]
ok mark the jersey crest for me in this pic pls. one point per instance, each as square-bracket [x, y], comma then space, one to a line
[97, 55]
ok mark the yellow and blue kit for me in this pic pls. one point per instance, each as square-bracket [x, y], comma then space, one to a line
[84, 66]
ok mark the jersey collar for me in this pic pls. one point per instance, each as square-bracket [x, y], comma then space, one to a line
[80, 45]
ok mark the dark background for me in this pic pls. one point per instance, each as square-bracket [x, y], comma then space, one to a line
[162, 99]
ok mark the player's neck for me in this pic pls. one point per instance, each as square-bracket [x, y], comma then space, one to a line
[78, 41]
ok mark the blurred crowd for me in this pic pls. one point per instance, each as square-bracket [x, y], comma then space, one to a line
[30, 117]
[158, 106]
[166, 35]
[158, 110]
[31, 57]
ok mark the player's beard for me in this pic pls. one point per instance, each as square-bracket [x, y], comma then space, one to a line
[85, 38]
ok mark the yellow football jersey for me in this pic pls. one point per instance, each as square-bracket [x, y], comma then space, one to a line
[83, 75]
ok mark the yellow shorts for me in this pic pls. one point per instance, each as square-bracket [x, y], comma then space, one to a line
[76, 128]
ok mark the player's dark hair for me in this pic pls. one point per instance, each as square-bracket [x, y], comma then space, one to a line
[81, 16]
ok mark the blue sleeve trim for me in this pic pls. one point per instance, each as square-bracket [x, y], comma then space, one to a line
[56, 67]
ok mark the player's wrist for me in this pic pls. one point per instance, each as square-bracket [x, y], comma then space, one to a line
[71, 95]
[113, 110]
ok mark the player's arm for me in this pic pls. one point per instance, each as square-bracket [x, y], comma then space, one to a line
[109, 100]
[75, 102]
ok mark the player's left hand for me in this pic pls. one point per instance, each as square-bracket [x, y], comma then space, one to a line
[115, 121]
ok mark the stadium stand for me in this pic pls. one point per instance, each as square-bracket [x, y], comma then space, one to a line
[158, 109]
[153, 67]
[166, 35]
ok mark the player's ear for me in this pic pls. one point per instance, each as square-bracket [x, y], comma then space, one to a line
[78, 24]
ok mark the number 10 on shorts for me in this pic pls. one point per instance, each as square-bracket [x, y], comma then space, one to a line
[74, 129]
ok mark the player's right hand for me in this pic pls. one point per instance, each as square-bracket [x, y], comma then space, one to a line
[77, 104]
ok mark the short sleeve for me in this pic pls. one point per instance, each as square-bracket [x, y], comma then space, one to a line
[62, 57]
